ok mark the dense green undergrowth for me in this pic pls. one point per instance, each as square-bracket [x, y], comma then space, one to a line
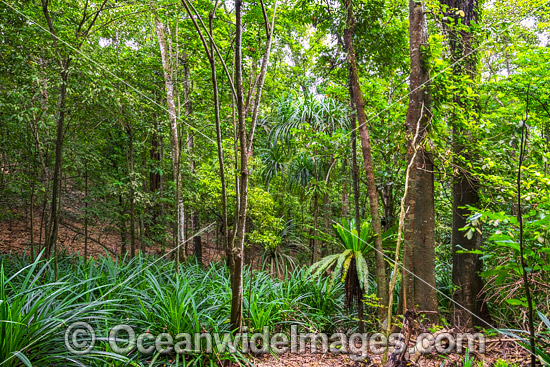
[150, 296]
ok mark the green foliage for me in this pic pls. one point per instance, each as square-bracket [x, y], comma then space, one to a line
[467, 361]
[354, 248]
[266, 226]
[347, 235]
[503, 363]
[147, 294]
[542, 340]
[278, 257]
[350, 266]
[503, 241]
[34, 314]
[299, 167]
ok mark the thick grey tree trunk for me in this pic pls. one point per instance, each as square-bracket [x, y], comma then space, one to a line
[419, 241]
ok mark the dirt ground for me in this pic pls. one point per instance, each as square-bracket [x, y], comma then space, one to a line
[496, 348]
[103, 240]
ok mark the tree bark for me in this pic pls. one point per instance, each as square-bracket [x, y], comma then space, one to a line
[237, 248]
[354, 165]
[210, 50]
[357, 97]
[54, 217]
[219, 139]
[246, 146]
[172, 116]
[419, 241]
[245, 142]
[465, 190]
[130, 133]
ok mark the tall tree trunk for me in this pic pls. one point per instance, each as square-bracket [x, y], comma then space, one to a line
[40, 155]
[245, 142]
[54, 217]
[86, 210]
[246, 146]
[237, 178]
[219, 139]
[85, 25]
[130, 133]
[315, 246]
[466, 266]
[172, 116]
[210, 51]
[367, 156]
[354, 165]
[237, 248]
[419, 242]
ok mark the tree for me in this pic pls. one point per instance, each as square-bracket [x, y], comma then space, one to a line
[462, 16]
[357, 98]
[210, 53]
[419, 243]
[168, 70]
[64, 59]
[245, 145]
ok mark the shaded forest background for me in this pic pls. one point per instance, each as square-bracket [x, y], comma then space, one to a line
[265, 133]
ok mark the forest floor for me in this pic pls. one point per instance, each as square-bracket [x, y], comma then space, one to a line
[103, 237]
[496, 348]
[104, 240]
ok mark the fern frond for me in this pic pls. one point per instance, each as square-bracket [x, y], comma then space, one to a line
[320, 266]
[337, 269]
[362, 271]
[345, 266]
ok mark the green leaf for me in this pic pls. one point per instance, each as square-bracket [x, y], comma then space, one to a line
[23, 359]
[516, 302]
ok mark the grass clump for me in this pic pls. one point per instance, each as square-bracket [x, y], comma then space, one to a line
[148, 295]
